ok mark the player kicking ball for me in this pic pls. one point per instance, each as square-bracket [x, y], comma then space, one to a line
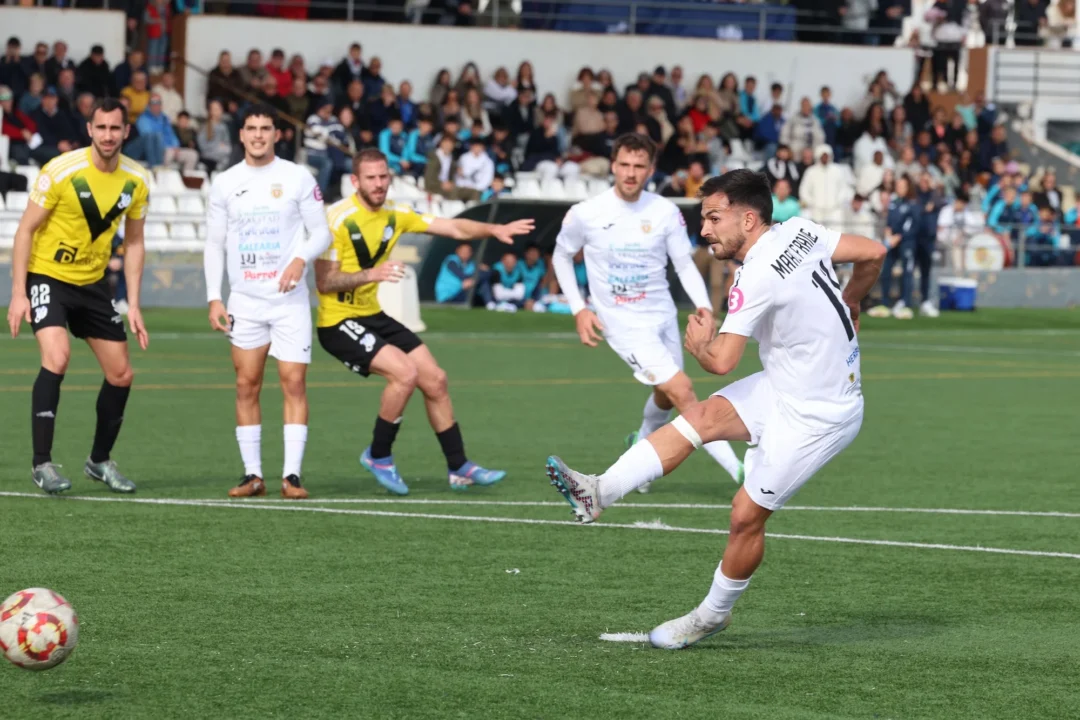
[267, 223]
[628, 235]
[353, 328]
[61, 250]
[799, 413]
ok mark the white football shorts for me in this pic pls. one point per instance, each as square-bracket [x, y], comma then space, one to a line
[654, 354]
[783, 454]
[284, 326]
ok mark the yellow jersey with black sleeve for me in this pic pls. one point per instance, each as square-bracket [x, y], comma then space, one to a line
[363, 239]
[87, 205]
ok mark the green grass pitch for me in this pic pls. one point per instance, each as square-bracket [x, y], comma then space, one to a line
[358, 605]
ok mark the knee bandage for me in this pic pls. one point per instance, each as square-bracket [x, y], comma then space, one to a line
[687, 431]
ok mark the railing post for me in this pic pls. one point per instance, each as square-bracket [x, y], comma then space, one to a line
[1021, 247]
[762, 22]
[349, 10]
[633, 18]
[495, 13]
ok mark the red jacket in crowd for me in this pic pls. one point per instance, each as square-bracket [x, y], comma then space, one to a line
[15, 122]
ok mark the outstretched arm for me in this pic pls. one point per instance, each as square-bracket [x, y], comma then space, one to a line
[462, 229]
[330, 279]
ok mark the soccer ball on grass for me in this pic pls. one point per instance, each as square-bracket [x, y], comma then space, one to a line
[38, 629]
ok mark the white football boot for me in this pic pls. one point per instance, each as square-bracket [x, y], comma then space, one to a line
[927, 309]
[685, 631]
[580, 490]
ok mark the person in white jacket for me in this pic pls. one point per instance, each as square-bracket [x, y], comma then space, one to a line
[802, 130]
[825, 189]
[475, 168]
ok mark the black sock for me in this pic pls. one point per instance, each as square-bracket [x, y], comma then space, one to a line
[43, 403]
[453, 447]
[110, 415]
[382, 440]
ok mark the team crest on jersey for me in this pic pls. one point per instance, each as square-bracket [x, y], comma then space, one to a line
[276, 191]
[388, 233]
[646, 226]
[124, 201]
[44, 182]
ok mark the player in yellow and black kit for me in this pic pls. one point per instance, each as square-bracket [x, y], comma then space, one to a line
[354, 329]
[61, 250]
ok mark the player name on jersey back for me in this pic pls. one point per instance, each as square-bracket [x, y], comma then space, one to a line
[260, 210]
[786, 297]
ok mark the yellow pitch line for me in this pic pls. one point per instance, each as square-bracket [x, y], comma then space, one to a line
[548, 382]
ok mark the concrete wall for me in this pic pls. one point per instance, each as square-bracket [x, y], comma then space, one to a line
[80, 29]
[416, 53]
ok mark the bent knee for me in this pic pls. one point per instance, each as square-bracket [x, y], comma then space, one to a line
[56, 361]
[121, 378]
[406, 376]
[747, 517]
[435, 384]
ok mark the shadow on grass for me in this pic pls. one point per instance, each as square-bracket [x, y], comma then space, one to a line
[76, 697]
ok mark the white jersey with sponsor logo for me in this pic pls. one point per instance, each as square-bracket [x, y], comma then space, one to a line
[262, 212]
[627, 246]
[786, 297]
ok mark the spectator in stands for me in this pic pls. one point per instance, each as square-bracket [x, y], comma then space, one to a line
[501, 150]
[473, 110]
[38, 61]
[917, 107]
[440, 88]
[475, 169]
[124, 73]
[869, 142]
[405, 104]
[56, 128]
[678, 90]
[456, 276]
[847, 134]
[782, 167]
[503, 289]
[525, 78]
[769, 129]
[172, 104]
[185, 131]
[728, 94]
[908, 164]
[1043, 239]
[1048, 195]
[392, 143]
[858, 217]
[297, 100]
[215, 148]
[419, 143]
[659, 116]
[695, 176]
[156, 27]
[276, 69]
[716, 149]
[824, 189]
[1060, 28]
[957, 223]
[451, 108]
[889, 20]
[828, 115]
[354, 98]
[597, 147]
[947, 176]
[543, 153]
[441, 167]
[679, 149]
[674, 186]
[31, 99]
[349, 69]
[498, 92]
[452, 128]
[749, 114]
[319, 93]
[59, 61]
[16, 126]
[137, 94]
[699, 113]
[372, 78]
[66, 90]
[992, 147]
[900, 132]
[519, 117]
[658, 88]
[93, 75]
[253, 72]
[870, 176]
[785, 206]
[533, 271]
[1007, 213]
[498, 189]
[633, 112]
[588, 120]
[384, 108]
[12, 73]
[159, 132]
[322, 127]
[1030, 18]
[856, 17]
[223, 80]
[803, 129]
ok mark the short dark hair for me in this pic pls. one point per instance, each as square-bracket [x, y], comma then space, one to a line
[259, 110]
[776, 86]
[108, 105]
[744, 188]
[749, 78]
[367, 155]
[183, 113]
[634, 142]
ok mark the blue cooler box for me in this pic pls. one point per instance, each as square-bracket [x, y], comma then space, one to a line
[957, 293]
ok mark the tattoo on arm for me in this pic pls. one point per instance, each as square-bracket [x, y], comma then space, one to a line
[337, 281]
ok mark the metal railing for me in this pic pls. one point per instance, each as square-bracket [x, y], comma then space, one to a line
[1029, 74]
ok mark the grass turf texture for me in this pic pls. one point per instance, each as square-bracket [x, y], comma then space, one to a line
[231, 612]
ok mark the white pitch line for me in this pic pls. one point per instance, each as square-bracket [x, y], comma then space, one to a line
[655, 527]
[971, 349]
[631, 504]
[625, 637]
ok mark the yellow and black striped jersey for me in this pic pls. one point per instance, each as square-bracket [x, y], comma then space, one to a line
[87, 205]
[362, 240]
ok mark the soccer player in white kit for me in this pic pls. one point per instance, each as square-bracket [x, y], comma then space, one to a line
[628, 235]
[799, 413]
[267, 222]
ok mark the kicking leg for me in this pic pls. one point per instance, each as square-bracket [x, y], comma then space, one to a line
[112, 355]
[401, 376]
[432, 381]
[44, 403]
[681, 391]
[662, 452]
[250, 366]
[294, 387]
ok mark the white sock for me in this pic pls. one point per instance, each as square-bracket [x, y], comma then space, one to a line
[295, 439]
[653, 418]
[721, 452]
[249, 438]
[637, 466]
[722, 596]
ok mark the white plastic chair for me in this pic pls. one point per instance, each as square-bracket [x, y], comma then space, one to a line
[190, 204]
[156, 231]
[170, 182]
[17, 201]
[182, 231]
[162, 205]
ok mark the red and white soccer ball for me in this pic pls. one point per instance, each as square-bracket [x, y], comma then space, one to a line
[38, 629]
